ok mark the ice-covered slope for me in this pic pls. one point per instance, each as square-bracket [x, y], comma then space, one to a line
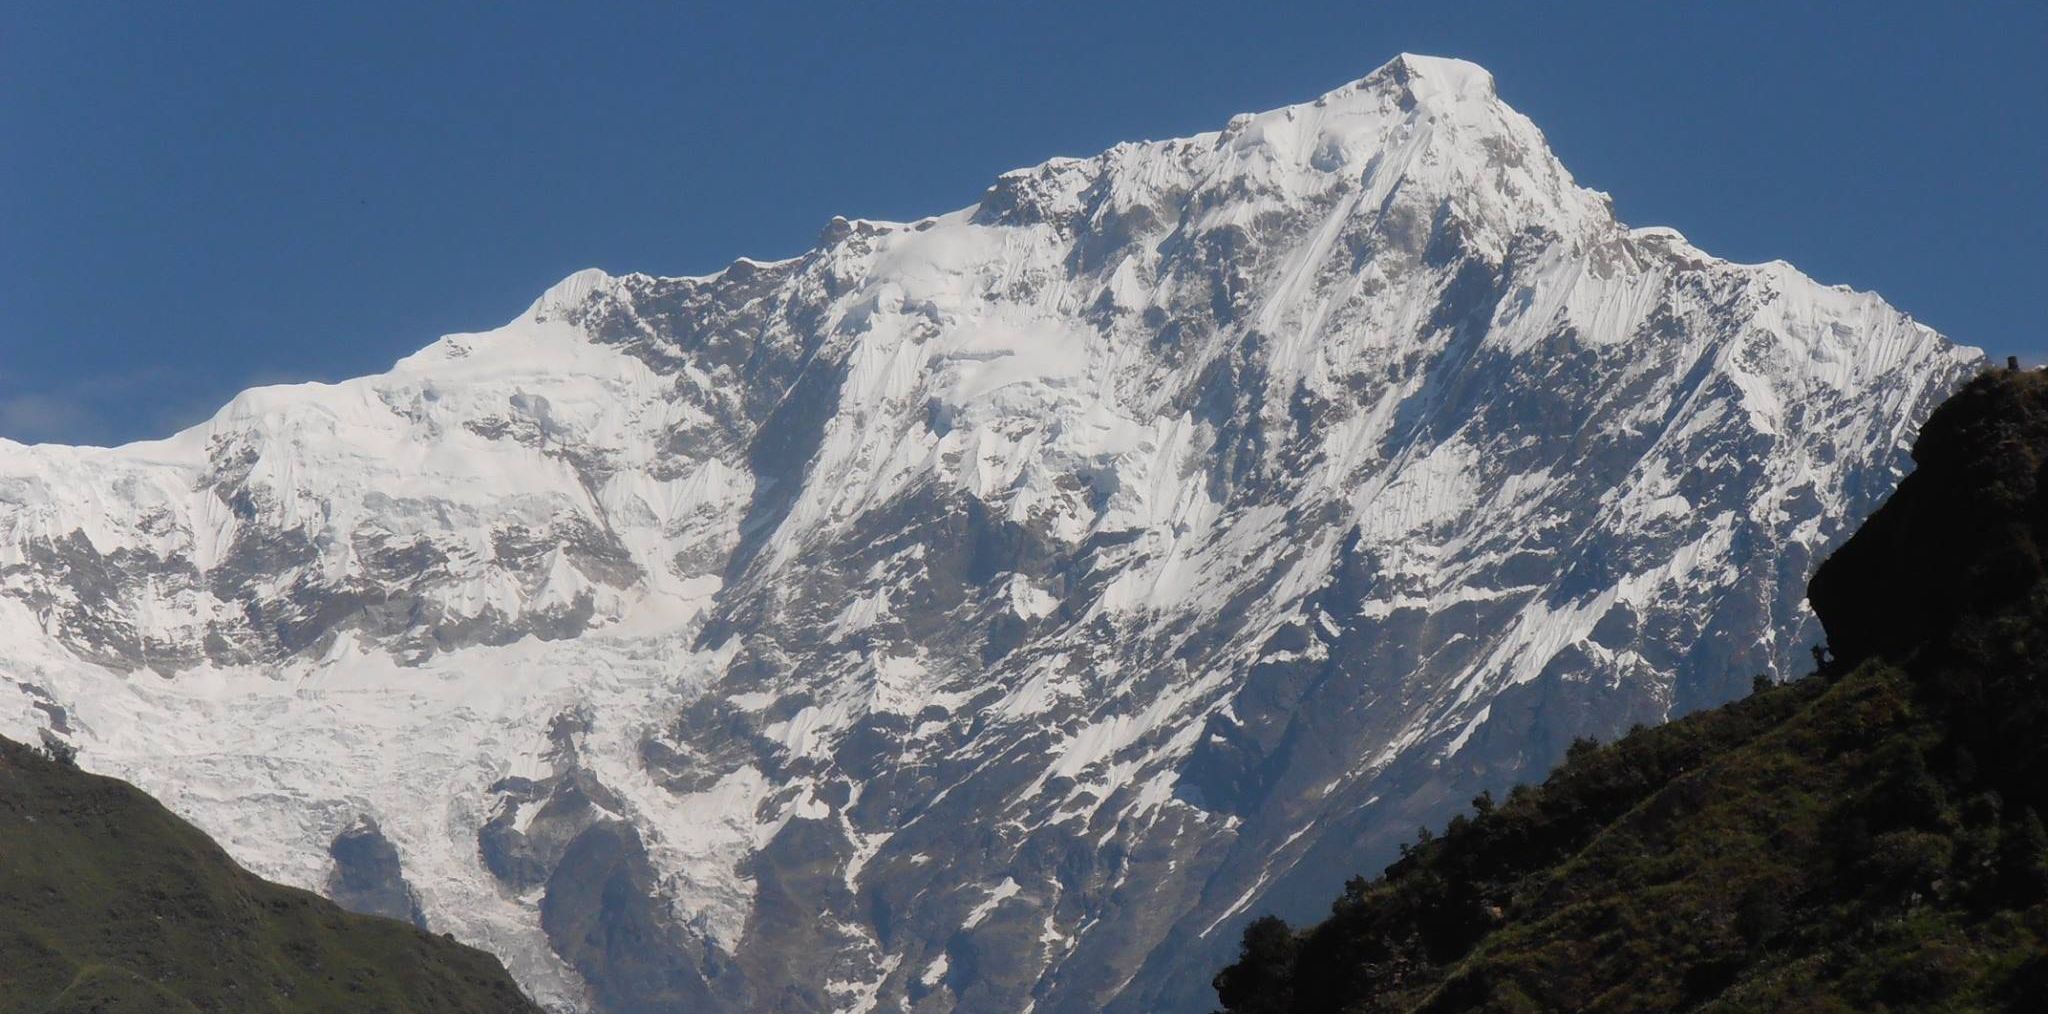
[987, 611]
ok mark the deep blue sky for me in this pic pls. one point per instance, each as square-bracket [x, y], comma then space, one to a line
[198, 197]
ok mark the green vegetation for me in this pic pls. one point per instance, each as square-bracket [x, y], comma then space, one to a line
[110, 903]
[1869, 838]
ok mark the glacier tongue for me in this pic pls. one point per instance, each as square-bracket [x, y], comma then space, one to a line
[988, 611]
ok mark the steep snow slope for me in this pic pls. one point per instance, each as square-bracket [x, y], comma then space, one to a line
[989, 611]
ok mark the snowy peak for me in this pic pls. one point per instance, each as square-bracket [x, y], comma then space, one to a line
[1421, 130]
[1406, 92]
[1159, 538]
[566, 294]
[1421, 135]
[1433, 79]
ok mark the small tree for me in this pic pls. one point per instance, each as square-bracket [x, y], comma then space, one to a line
[1262, 979]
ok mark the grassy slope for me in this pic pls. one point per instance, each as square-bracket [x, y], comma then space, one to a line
[108, 902]
[1869, 838]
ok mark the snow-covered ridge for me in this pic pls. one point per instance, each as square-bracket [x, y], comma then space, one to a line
[985, 610]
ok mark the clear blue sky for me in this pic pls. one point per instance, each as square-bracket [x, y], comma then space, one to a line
[198, 197]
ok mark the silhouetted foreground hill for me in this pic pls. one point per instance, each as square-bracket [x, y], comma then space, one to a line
[1867, 838]
[108, 902]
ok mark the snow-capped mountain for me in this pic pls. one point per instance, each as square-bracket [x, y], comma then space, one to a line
[985, 612]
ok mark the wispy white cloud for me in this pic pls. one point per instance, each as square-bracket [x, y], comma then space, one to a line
[38, 416]
[108, 409]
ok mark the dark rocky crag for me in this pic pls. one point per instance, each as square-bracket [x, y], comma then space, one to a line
[1866, 838]
[367, 877]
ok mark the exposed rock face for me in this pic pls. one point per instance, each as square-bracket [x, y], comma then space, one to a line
[367, 877]
[1963, 536]
[991, 610]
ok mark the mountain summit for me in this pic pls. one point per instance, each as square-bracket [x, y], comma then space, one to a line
[991, 611]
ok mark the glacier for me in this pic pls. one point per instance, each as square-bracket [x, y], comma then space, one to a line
[985, 612]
